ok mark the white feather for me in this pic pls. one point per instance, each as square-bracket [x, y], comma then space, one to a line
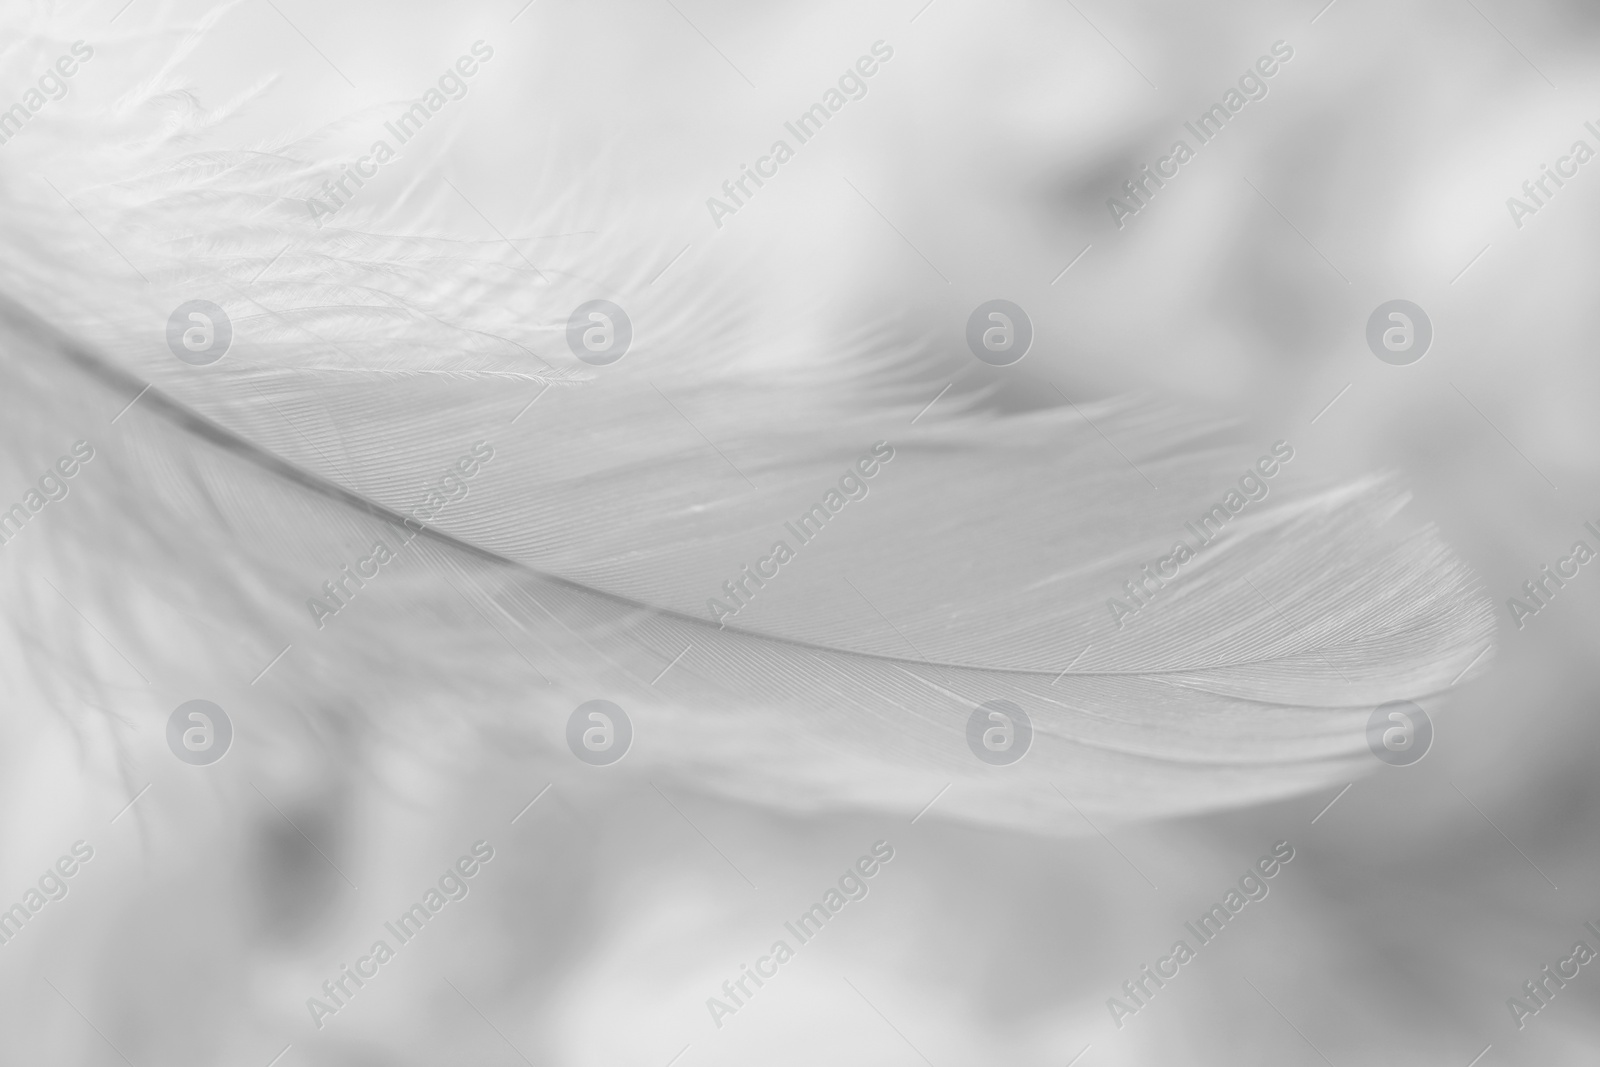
[978, 568]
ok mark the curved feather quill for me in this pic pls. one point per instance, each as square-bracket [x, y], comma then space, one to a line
[580, 561]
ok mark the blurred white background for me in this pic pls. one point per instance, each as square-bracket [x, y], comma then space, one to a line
[977, 165]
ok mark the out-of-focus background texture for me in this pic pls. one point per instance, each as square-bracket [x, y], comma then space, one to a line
[978, 164]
